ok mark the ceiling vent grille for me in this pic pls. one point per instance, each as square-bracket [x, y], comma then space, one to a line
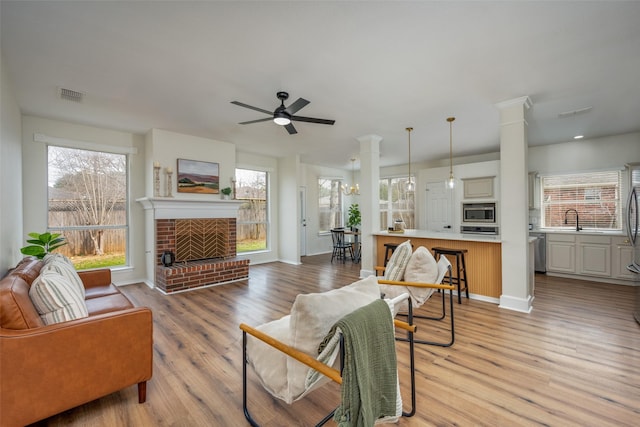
[572, 113]
[70, 95]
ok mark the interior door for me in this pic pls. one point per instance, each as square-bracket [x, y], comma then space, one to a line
[439, 207]
[302, 221]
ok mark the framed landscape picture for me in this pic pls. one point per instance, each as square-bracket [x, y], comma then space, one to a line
[199, 177]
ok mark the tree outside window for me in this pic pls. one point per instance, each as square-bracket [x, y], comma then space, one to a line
[87, 204]
[253, 214]
[396, 203]
[329, 204]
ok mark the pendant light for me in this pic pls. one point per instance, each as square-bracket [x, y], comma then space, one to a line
[451, 181]
[410, 184]
[354, 190]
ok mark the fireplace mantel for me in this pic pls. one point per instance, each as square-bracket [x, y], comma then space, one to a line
[174, 208]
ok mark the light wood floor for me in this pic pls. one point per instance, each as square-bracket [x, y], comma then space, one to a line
[573, 361]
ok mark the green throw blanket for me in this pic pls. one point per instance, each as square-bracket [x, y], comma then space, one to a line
[369, 376]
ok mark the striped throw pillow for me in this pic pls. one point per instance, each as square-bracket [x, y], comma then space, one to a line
[56, 298]
[62, 265]
[398, 261]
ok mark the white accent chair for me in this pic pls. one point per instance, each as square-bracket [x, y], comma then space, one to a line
[283, 353]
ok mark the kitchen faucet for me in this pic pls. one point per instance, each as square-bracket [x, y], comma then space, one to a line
[578, 228]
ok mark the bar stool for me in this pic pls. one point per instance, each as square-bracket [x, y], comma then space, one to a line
[388, 251]
[461, 268]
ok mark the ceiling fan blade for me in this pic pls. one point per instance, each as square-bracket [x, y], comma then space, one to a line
[256, 121]
[252, 107]
[290, 129]
[313, 120]
[296, 106]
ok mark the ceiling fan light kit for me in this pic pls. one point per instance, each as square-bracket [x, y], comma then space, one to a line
[282, 115]
[281, 118]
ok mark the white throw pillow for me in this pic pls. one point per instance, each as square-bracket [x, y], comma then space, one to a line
[56, 298]
[270, 364]
[422, 268]
[313, 315]
[396, 265]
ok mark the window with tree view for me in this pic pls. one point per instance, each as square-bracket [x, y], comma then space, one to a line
[87, 204]
[253, 216]
[329, 204]
[595, 196]
[396, 203]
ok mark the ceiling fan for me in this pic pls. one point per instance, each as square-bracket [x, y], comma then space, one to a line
[283, 116]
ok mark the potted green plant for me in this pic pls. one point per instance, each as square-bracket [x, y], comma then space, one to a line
[353, 219]
[42, 244]
[226, 192]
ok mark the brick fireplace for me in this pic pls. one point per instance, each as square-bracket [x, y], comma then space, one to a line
[202, 237]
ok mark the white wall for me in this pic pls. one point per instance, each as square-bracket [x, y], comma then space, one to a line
[34, 161]
[611, 152]
[167, 147]
[460, 172]
[289, 210]
[12, 235]
[320, 243]
[585, 155]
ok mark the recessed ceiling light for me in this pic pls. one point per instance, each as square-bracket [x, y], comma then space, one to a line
[578, 137]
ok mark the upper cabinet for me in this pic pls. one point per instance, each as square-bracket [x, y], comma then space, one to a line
[478, 188]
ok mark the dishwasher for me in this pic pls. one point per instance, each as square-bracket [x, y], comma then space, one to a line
[540, 252]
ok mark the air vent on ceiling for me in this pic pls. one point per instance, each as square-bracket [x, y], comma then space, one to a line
[574, 112]
[70, 95]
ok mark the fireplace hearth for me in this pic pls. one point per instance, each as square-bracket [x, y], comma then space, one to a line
[202, 236]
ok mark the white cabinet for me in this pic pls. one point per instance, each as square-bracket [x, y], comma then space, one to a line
[561, 253]
[621, 256]
[594, 255]
[478, 188]
[532, 268]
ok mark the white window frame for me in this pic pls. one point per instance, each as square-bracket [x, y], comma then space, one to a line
[586, 197]
[267, 222]
[101, 148]
[391, 214]
[336, 183]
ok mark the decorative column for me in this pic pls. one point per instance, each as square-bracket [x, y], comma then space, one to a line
[369, 199]
[514, 205]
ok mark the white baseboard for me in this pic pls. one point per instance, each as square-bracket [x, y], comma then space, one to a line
[523, 305]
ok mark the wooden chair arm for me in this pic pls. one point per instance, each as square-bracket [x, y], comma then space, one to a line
[404, 325]
[416, 284]
[379, 269]
[325, 370]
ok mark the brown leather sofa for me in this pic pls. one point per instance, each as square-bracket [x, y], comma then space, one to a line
[47, 369]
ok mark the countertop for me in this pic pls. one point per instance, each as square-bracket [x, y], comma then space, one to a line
[573, 231]
[424, 234]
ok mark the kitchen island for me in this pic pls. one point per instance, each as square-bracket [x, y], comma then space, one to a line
[483, 257]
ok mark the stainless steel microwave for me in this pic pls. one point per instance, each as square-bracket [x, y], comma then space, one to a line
[473, 213]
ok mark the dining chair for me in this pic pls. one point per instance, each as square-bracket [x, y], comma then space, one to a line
[340, 246]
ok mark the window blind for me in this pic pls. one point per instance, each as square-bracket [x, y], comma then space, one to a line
[594, 195]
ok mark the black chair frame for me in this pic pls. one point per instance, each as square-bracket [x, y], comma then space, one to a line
[340, 246]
